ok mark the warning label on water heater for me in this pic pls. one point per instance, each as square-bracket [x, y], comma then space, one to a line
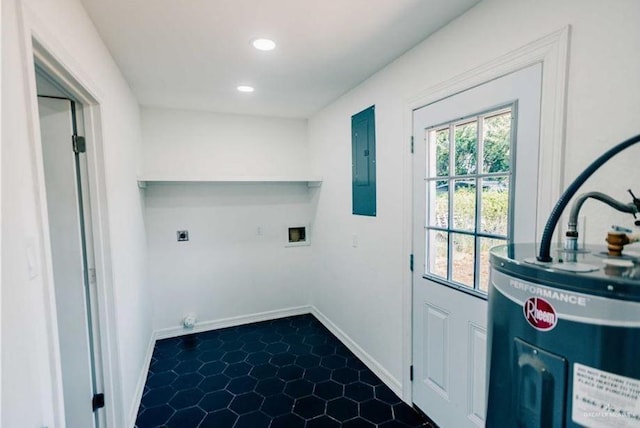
[603, 399]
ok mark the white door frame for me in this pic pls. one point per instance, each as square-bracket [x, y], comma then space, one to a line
[552, 51]
[41, 46]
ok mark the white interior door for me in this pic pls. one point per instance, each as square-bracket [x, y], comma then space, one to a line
[455, 192]
[71, 261]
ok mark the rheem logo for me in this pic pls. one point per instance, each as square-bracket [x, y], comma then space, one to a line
[540, 314]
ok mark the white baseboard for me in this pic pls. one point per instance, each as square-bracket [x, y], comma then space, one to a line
[394, 384]
[142, 379]
[166, 333]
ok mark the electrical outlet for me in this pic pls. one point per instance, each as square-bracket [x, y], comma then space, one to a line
[183, 235]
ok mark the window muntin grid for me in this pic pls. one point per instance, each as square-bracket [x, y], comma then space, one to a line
[469, 211]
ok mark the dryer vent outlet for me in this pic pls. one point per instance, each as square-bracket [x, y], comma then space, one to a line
[189, 321]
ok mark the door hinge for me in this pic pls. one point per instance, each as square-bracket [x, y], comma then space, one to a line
[411, 373]
[411, 262]
[79, 144]
[412, 144]
[97, 402]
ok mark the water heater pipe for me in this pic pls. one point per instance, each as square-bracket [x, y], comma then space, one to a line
[620, 206]
[552, 222]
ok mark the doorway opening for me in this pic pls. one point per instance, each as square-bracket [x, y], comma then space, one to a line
[70, 182]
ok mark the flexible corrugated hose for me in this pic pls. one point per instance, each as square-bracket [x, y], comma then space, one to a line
[552, 222]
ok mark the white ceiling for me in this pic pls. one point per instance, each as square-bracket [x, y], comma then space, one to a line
[193, 53]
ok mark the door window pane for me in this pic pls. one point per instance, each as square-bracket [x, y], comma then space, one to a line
[494, 205]
[466, 136]
[464, 204]
[463, 259]
[497, 143]
[486, 244]
[438, 200]
[442, 152]
[437, 253]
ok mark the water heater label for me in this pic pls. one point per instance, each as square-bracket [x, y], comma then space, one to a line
[603, 399]
[540, 314]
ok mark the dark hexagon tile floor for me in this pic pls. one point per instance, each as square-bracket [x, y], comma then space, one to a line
[290, 372]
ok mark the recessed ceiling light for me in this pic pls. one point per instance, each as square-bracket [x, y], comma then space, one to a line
[244, 88]
[264, 44]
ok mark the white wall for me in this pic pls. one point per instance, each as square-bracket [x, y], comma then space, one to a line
[27, 369]
[235, 262]
[226, 269]
[360, 289]
[184, 143]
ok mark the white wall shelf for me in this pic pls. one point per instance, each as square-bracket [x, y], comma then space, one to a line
[310, 181]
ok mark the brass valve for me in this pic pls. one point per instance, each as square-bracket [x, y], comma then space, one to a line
[616, 242]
